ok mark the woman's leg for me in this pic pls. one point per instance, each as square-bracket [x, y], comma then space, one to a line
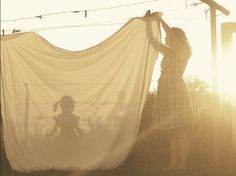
[184, 147]
[173, 145]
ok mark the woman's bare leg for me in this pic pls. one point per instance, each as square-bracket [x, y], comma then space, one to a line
[184, 147]
[173, 145]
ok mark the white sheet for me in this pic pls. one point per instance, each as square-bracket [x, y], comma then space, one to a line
[108, 82]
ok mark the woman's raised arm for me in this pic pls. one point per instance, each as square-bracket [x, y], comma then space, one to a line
[154, 42]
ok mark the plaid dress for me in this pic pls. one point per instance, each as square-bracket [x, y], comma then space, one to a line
[173, 106]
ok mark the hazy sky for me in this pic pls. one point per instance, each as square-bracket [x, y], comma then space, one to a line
[190, 18]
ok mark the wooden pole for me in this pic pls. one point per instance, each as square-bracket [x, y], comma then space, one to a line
[215, 88]
[213, 7]
[214, 50]
[217, 6]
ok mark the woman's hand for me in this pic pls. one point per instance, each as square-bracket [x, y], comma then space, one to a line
[154, 14]
[148, 13]
[157, 14]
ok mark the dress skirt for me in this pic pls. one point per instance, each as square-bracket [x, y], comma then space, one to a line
[173, 105]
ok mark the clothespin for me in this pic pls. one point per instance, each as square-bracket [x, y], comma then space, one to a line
[85, 13]
[39, 16]
[3, 32]
[15, 30]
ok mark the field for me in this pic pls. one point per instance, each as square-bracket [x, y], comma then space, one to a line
[151, 154]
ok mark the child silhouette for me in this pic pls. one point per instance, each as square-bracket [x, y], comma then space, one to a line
[66, 121]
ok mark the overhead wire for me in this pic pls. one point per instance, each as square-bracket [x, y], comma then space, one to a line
[94, 24]
[173, 10]
[77, 11]
[97, 24]
[126, 5]
[102, 23]
[71, 26]
[96, 9]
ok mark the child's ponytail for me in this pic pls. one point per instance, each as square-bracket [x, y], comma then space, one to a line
[55, 106]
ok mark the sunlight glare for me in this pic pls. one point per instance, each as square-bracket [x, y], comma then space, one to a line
[227, 75]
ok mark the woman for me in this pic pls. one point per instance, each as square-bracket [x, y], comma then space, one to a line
[173, 109]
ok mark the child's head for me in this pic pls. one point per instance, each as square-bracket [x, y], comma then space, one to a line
[67, 104]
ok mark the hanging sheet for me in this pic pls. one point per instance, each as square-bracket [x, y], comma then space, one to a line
[74, 110]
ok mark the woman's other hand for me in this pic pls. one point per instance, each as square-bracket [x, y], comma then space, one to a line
[157, 14]
[154, 14]
[148, 13]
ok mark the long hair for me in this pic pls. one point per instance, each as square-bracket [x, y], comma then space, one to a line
[184, 46]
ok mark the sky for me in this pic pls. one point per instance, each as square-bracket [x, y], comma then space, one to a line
[192, 19]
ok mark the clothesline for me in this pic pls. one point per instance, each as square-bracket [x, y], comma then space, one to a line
[41, 16]
[77, 11]
[98, 9]
[97, 24]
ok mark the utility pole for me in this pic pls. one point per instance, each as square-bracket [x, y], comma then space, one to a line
[213, 7]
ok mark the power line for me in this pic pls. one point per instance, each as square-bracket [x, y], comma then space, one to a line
[77, 11]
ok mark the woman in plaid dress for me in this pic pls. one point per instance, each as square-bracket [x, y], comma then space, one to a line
[173, 108]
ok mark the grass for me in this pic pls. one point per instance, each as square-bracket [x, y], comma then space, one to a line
[150, 156]
[150, 153]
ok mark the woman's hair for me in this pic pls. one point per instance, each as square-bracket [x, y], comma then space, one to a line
[182, 40]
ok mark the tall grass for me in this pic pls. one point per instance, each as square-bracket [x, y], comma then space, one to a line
[150, 153]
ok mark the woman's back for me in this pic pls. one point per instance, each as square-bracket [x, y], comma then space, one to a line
[173, 64]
